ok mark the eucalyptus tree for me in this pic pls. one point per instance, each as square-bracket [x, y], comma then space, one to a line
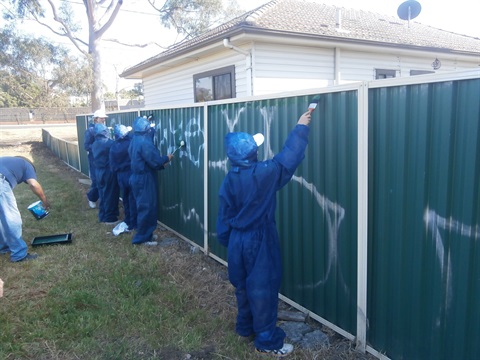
[32, 72]
[187, 17]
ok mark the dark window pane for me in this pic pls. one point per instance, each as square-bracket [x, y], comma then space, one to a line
[384, 74]
[222, 86]
[215, 84]
[421, 72]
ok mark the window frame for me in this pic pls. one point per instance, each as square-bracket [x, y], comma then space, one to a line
[385, 72]
[227, 70]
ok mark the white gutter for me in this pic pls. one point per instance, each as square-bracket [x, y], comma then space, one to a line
[248, 64]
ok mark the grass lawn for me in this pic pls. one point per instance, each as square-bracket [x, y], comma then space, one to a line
[102, 298]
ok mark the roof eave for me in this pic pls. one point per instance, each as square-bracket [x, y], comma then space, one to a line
[254, 33]
[157, 60]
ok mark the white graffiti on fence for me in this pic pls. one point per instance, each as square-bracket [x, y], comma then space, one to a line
[334, 213]
[435, 223]
[189, 130]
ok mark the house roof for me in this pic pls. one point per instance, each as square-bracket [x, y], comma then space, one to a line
[304, 18]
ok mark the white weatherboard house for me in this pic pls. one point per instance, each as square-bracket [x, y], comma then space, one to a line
[288, 45]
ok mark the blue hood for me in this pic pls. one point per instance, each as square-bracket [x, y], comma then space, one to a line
[241, 148]
[120, 131]
[141, 124]
[101, 130]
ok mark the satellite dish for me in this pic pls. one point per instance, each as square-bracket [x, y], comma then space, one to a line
[409, 10]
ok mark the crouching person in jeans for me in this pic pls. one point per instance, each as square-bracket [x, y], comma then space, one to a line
[15, 170]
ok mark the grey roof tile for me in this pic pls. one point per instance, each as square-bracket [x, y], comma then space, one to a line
[307, 18]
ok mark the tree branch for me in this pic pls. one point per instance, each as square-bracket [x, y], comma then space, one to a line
[99, 33]
[136, 45]
[65, 27]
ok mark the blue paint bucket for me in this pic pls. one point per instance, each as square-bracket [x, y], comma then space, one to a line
[38, 210]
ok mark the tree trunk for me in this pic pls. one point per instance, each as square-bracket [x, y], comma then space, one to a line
[97, 91]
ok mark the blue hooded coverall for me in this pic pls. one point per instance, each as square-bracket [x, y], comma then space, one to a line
[108, 189]
[145, 161]
[120, 165]
[246, 224]
[88, 140]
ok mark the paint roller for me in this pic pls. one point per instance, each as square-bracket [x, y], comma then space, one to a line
[182, 144]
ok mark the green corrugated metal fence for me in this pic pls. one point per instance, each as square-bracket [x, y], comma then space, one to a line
[424, 255]
[380, 223]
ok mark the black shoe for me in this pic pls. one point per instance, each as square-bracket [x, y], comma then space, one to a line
[28, 257]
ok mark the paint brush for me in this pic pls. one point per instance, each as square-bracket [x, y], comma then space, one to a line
[313, 103]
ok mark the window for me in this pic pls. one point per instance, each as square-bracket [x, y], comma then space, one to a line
[215, 85]
[384, 74]
[421, 72]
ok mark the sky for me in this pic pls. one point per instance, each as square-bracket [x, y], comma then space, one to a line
[138, 24]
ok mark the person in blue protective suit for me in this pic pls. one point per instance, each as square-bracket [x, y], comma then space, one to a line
[15, 170]
[246, 225]
[99, 117]
[146, 160]
[120, 165]
[108, 188]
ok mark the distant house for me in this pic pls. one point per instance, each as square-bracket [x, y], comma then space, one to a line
[288, 45]
[123, 104]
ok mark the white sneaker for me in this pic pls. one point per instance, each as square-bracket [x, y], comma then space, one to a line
[92, 204]
[152, 242]
[284, 351]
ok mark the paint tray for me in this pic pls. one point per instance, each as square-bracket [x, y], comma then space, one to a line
[52, 239]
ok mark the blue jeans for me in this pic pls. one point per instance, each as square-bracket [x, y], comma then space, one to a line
[10, 224]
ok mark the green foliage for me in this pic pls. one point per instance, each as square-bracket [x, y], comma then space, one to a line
[24, 7]
[189, 17]
[138, 89]
[193, 17]
[35, 73]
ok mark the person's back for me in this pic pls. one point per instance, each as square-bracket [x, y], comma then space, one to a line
[108, 188]
[120, 165]
[250, 186]
[16, 170]
[144, 156]
[99, 117]
[145, 161]
[119, 156]
[101, 147]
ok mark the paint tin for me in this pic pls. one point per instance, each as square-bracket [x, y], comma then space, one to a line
[38, 210]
